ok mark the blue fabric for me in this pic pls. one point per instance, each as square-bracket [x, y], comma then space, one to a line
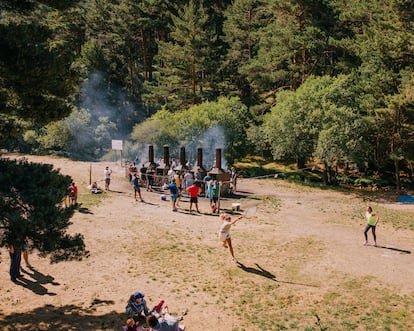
[406, 198]
[138, 295]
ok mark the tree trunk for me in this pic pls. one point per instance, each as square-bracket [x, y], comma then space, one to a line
[397, 174]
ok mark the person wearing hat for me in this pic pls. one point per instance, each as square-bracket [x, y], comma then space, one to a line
[136, 306]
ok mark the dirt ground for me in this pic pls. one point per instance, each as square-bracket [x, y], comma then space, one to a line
[298, 254]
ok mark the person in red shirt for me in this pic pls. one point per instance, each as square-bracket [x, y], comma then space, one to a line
[193, 190]
[73, 194]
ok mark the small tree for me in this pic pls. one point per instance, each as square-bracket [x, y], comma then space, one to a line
[31, 209]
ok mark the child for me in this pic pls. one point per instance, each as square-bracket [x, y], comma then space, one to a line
[224, 233]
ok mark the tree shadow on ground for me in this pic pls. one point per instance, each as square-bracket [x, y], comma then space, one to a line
[69, 317]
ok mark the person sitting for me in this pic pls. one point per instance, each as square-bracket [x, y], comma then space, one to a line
[94, 188]
[136, 306]
[166, 322]
[131, 325]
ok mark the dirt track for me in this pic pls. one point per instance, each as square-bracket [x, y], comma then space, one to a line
[307, 241]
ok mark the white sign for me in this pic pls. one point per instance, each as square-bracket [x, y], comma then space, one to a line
[117, 145]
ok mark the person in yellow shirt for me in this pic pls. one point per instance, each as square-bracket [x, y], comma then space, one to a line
[372, 220]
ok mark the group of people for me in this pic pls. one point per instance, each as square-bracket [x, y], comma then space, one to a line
[140, 318]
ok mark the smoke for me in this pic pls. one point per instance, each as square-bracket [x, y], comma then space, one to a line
[105, 112]
[103, 99]
[209, 140]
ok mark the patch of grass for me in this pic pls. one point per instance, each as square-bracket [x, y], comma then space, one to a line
[89, 200]
[400, 219]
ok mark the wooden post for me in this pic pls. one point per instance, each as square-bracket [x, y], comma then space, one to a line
[218, 198]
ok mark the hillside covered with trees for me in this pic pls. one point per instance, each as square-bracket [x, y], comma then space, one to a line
[325, 80]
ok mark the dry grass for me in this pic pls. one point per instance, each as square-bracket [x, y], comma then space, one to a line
[302, 266]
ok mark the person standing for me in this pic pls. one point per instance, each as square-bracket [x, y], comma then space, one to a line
[73, 195]
[150, 178]
[25, 253]
[224, 232]
[107, 177]
[188, 179]
[173, 194]
[143, 172]
[234, 179]
[15, 253]
[207, 182]
[214, 195]
[136, 185]
[193, 191]
[372, 220]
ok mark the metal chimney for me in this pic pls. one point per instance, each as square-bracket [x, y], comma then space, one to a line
[199, 157]
[182, 156]
[151, 154]
[218, 158]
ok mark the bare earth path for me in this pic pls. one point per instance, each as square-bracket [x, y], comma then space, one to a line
[298, 254]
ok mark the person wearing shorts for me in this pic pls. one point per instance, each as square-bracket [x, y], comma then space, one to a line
[224, 232]
[173, 194]
[136, 185]
[107, 177]
[193, 191]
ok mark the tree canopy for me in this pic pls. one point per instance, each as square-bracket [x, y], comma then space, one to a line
[171, 56]
[31, 210]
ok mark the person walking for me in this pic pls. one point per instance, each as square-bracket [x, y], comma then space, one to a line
[107, 177]
[224, 232]
[136, 185]
[372, 220]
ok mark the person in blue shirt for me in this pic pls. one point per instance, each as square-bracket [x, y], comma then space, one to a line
[173, 194]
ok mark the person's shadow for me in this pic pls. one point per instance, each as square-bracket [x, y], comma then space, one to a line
[257, 271]
[403, 251]
[264, 273]
[34, 281]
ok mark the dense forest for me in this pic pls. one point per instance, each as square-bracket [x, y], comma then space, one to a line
[326, 81]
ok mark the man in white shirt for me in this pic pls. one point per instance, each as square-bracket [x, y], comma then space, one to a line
[107, 175]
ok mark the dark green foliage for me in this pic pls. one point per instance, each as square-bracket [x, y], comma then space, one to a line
[179, 54]
[31, 208]
[37, 47]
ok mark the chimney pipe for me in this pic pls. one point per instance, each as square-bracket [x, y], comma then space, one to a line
[151, 154]
[218, 158]
[199, 157]
[166, 155]
[182, 156]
